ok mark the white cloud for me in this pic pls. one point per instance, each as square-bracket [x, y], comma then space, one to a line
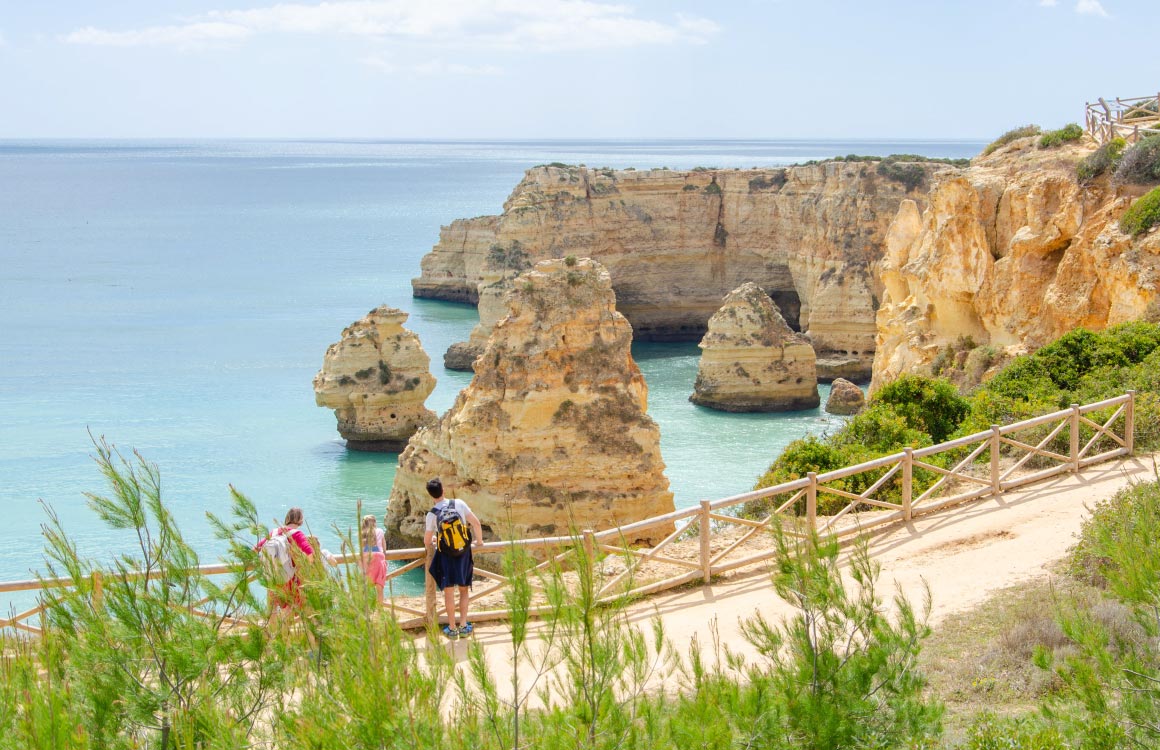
[430, 67]
[543, 25]
[187, 36]
[1090, 7]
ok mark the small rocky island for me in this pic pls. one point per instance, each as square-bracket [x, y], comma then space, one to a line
[845, 398]
[751, 361]
[376, 379]
[552, 434]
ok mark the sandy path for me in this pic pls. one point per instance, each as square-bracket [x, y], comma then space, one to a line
[964, 553]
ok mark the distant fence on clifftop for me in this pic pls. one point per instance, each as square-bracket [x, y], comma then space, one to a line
[899, 487]
[1130, 119]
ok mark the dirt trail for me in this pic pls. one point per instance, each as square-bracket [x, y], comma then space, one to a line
[963, 553]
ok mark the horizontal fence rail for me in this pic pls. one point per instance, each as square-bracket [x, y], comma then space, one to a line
[845, 503]
[1130, 119]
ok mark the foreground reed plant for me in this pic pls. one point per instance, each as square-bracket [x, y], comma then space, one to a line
[149, 653]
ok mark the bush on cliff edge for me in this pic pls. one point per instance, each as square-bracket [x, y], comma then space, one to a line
[1053, 138]
[1140, 165]
[1143, 214]
[1014, 134]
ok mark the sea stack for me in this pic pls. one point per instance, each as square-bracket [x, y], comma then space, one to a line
[845, 398]
[499, 271]
[376, 379]
[751, 361]
[552, 434]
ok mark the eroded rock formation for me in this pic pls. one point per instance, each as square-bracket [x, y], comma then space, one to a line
[376, 379]
[676, 242]
[552, 433]
[1012, 253]
[751, 361]
[500, 268]
[845, 398]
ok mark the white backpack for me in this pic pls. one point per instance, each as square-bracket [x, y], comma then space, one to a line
[276, 558]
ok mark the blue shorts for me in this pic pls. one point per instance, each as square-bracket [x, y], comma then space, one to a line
[452, 571]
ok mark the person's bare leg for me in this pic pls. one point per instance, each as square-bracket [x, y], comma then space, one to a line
[449, 605]
[379, 588]
[464, 602]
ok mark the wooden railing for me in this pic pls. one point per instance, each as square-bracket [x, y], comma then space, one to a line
[899, 487]
[1130, 119]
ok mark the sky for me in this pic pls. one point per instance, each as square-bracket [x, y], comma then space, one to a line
[517, 69]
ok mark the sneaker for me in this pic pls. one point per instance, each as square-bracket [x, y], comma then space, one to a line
[467, 629]
[450, 632]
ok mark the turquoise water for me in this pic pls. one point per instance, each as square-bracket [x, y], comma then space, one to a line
[177, 298]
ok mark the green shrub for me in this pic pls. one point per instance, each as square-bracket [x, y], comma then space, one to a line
[910, 174]
[1143, 111]
[931, 406]
[689, 187]
[841, 672]
[1104, 159]
[1110, 694]
[1069, 132]
[1010, 136]
[1143, 214]
[882, 428]
[990, 732]
[713, 188]
[1140, 164]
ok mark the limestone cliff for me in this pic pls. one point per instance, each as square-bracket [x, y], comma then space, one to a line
[1012, 253]
[376, 379]
[676, 242]
[552, 433]
[751, 361]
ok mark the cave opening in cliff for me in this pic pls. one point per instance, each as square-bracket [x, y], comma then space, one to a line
[789, 305]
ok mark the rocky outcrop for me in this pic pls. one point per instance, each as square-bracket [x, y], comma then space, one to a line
[500, 268]
[552, 433]
[751, 361]
[376, 379]
[1010, 254]
[676, 242]
[845, 398]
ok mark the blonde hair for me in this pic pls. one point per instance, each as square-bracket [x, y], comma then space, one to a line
[367, 530]
[294, 515]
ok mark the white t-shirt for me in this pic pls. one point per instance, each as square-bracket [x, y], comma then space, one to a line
[460, 508]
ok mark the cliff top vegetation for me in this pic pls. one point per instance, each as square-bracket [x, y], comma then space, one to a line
[916, 411]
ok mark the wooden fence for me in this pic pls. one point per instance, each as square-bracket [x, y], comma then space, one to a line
[1130, 119]
[898, 487]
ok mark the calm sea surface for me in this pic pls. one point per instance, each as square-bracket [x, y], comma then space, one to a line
[177, 298]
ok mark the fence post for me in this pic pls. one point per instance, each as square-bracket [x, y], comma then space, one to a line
[907, 481]
[1074, 430]
[706, 559]
[996, 441]
[589, 538]
[98, 590]
[1130, 424]
[429, 593]
[812, 501]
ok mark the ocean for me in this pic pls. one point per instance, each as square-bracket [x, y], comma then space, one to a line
[176, 298]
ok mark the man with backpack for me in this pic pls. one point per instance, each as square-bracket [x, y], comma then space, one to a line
[452, 566]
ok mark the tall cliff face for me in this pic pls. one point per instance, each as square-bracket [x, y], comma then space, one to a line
[751, 361]
[676, 242]
[552, 433]
[376, 379]
[1013, 253]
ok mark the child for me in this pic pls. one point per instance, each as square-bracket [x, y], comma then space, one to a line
[372, 560]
